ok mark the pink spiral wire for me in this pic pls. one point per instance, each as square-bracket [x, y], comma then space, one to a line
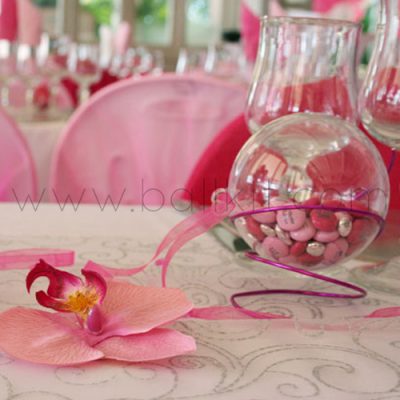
[358, 292]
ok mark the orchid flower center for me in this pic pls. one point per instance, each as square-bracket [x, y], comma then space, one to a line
[82, 301]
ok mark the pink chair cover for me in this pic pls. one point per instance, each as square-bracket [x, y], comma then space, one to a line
[139, 140]
[29, 23]
[8, 20]
[214, 166]
[122, 37]
[17, 172]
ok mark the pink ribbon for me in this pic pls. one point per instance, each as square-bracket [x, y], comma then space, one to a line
[188, 229]
[27, 258]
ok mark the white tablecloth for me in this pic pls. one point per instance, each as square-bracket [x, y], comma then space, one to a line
[42, 138]
[325, 352]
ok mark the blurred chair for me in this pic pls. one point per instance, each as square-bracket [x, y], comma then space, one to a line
[214, 166]
[17, 171]
[137, 141]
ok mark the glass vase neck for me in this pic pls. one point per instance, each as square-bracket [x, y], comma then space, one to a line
[303, 65]
[389, 9]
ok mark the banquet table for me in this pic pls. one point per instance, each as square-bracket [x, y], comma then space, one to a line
[327, 350]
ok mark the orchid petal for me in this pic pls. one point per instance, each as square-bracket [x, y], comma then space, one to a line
[95, 320]
[60, 282]
[154, 345]
[44, 338]
[95, 280]
[130, 309]
[46, 301]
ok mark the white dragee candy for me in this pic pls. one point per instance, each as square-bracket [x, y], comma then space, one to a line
[315, 249]
[267, 230]
[345, 223]
[283, 235]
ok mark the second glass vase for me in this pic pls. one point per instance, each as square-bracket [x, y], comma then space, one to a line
[303, 65]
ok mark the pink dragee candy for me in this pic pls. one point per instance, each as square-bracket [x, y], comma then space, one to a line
[326, 237]
[305, 233]
[291, 220]
[265, 217]
[254, 229]
[275, 248]
[343, 244]
[324, 220]
[312, 201]
[335, 251]
[332, 203]
[298, 249]
[268, 217]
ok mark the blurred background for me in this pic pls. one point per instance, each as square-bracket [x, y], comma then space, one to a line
[55, 54]
[169, 25]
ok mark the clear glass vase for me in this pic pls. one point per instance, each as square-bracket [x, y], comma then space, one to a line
[303, 65]
[379, 109]
[379, 101]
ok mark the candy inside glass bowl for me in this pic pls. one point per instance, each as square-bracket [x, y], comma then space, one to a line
[310, 191]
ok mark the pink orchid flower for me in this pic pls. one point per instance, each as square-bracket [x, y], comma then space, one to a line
[95, 319]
